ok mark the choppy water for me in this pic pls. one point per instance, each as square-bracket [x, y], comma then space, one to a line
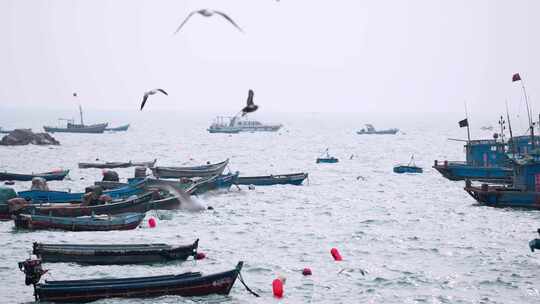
[420, 237]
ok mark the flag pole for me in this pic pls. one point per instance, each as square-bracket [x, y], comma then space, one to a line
[529, 110]
[467, 117]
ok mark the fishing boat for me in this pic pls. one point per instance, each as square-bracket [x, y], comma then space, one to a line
[370, 129]
[138, 204]
[213, 183]
[124, 221]
[269, 180]
[72, 127]
[487, 160]
[189, 172]
[523, 192]
[115, 165]
[118, 129]
[188, 284]
[411, 167]
[48, 176]
[5, 195]
[326, 158]
[113, 254]
[237, 124]
[40, 196]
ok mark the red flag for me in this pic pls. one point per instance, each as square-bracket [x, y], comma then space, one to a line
[516, 77]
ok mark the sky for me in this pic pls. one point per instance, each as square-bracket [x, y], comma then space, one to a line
[365, 56]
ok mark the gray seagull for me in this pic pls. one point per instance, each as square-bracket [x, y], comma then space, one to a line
[151, 92]
[208, 13]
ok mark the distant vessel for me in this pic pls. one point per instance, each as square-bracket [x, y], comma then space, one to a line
[326, 158]
[235, 124]
[72, 127]
[118, 129]
[371, 130]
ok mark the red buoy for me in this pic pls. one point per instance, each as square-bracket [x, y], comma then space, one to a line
[336, 255]
[306, 271]
[277, 288]
[152, 222]
[200, 256]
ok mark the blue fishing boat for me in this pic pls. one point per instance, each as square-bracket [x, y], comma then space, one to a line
[48, 176]
[118, 129]
[326, 158]
[487, 160]
[214, 183]
[411, 167]
[523, 192]
[40, 196]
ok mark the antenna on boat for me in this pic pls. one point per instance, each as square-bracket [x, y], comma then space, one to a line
[510, 130]
[467, 118]
[80, 111]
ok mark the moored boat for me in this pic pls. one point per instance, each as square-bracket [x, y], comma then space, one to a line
[124, 221]
[369, 129]
[72, 127]
[114, 165]
[238, 124]
[138, 204]
[195, 171]
[72, 291]
[113, 254]
[411, 167]
[118, 129]
[213, 183]
[48, 176]
[268, 180]
[326, 158]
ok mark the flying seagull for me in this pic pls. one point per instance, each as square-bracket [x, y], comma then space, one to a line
[208, 13]
[151, 92]
[250, 107]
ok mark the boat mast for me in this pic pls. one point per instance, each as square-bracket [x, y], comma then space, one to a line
[468, 130]
[510, 130]
[80, 111]
[529, 110]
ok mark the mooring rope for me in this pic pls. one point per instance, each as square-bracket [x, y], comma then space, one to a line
[245, 285]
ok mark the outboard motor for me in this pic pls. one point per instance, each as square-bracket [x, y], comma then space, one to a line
[140, 172]
[110, 176]
[32, 270]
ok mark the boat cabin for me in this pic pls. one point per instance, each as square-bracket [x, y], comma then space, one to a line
[494, 153]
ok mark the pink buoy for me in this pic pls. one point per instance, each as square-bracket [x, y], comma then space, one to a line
[200, 256]
[277, 288]
[152, 222]
[336, 255]
[306, 271]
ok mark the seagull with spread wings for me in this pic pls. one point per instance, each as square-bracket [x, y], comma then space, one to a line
[208, 13]
[151, 92]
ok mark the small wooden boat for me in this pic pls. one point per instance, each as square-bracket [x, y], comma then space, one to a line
[118, 129]
[124, 221]
[411, 167]
[39, 196]
[114, 165]
[326, 158]
[213, 183]
[48, 176]
[282, 179]
[101, 254]
[139, 204]
[196, 171]
[76, 291]
[371, 130]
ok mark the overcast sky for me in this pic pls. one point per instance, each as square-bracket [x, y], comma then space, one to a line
[298, 55]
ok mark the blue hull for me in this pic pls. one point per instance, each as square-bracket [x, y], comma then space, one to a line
[327, 160]
[38, 196]
[504, 197]
[284, 179]
[459, 172]
[407, 169]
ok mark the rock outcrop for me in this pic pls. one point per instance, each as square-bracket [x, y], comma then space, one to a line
[21, 137]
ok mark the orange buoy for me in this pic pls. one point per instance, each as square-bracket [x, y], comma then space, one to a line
[336, 255]
[277, 288]
[306, 271]
[200, 256]
[152, 222]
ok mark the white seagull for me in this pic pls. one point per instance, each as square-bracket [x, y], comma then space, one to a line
[208, 13]
[151, 92]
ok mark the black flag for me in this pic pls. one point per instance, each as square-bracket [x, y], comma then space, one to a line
[463, 123]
